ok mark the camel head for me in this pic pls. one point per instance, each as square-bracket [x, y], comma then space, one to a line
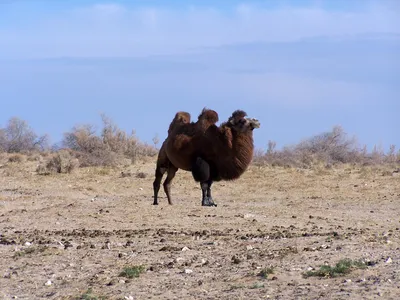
[239, 122]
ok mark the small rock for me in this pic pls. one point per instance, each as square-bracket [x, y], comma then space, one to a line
[28, 243]
[249, 247]
[188, 271]
[121, 281]
[310, 268]
[128, 297]
[140, 189]
[179, 259]
[272, 277]
[185, 249]
[236, 260]
[248, 216]
[48, 283]
[112, 282]
[347, 280]
[389, 260]
[204, 261]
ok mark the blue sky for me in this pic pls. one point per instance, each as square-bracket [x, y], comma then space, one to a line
[299, 66]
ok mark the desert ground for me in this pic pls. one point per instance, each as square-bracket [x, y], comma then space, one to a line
[71, 236]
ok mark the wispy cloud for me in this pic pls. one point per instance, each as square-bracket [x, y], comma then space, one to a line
[117, 30]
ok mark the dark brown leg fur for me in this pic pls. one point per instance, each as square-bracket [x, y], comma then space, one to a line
[167, 183]
[157, 182]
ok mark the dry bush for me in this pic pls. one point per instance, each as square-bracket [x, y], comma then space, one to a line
[17, 158]
[111, 148]
[328, 148]
[141, 175]
[60, 162]
[19, 137]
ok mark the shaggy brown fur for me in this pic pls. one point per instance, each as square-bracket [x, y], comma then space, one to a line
[206, 118]
[221, 153]
[213, 154]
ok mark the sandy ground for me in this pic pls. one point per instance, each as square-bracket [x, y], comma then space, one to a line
[70, 236]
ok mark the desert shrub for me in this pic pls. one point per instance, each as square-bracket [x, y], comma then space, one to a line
[328, 148]
[141, 175]
[18, 136]
[17, 158]
[60, 162]
[111, 147]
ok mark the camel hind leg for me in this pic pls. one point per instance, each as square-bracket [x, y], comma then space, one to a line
[201, 172]
[157, 182]
[167, 183]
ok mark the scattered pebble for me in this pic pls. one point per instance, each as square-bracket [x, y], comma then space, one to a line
[28, 243]
[248, 216]
[188, 271]
[389, 260]
[179, 259]
[185, 249]
[121, 281]
[48, 283]
[249, 247]
[128, 297]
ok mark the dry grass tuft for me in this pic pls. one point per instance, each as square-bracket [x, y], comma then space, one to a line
[17, 158]
[60, 162]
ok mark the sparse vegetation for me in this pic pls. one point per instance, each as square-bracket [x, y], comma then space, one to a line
[256, 285]
[343, 267]
[328, 148]
[88, 295]
[17, 158]
[265, 272]
[60, 162]
[30, 250]
[133, 271]
[18, 137]
[141, 175]
[111, 148]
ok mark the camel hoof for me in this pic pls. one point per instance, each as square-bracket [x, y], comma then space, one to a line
[155, 203]
[208, 202]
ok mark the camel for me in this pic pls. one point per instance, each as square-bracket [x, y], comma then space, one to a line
[220, 153]
[206, 118]
[214, 153]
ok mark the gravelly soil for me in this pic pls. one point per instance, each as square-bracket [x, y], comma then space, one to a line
[70, 236]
